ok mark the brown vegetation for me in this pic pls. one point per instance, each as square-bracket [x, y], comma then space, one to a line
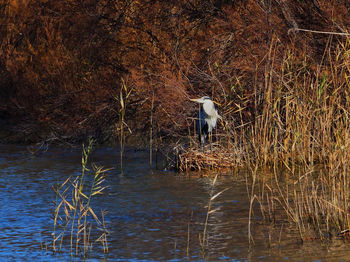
[61, 63]
[103, 68]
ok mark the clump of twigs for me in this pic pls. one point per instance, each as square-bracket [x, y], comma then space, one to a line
[212, 156]
[75, 222]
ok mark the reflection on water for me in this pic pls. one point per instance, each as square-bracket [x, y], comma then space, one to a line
[152, 215]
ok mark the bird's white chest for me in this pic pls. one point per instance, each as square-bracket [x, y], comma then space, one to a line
[211, 121]
[212, 114]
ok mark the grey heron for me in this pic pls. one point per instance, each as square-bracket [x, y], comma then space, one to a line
[206, 119]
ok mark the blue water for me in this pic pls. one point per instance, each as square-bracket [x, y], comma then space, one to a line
[153, 215]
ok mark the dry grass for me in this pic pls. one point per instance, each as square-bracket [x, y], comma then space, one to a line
[303, 135]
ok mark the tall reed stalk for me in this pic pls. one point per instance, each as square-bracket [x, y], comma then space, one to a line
[203, 238]
[123, 99]
[151, 132]
[73, 211]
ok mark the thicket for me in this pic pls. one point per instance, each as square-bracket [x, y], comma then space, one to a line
[63, 64]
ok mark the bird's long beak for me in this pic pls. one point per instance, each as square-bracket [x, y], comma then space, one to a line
[194, 100]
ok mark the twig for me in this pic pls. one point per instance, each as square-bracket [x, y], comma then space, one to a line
[318, 32]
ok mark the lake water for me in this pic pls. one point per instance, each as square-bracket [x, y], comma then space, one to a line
[153, 215]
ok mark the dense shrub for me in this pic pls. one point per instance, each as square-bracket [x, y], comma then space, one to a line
[62, 62]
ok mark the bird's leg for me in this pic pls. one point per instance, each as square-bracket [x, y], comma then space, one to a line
[200, 124]
[203, 142]
[210, 139]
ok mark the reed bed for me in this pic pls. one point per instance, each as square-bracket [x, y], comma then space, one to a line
[298, 145]
[303, 135]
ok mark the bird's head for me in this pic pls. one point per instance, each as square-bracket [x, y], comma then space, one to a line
[201, 100]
